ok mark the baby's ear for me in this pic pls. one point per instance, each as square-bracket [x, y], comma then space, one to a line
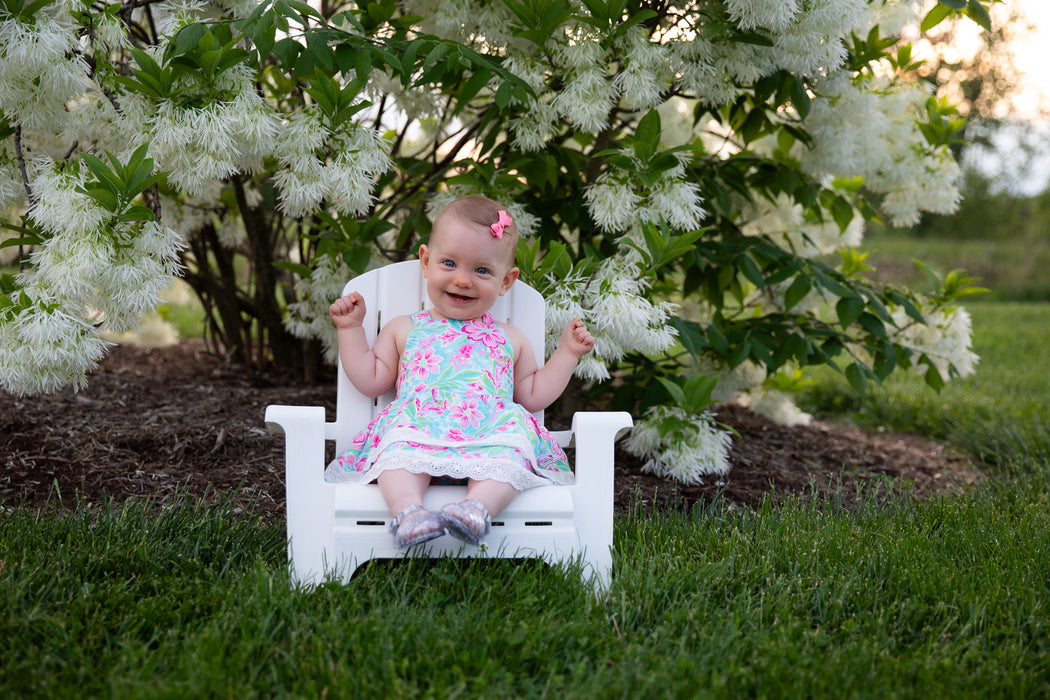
[424, 258]
[508, 280]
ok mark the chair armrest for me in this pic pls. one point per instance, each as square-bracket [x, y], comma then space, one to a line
[310, 501]
[595, 435]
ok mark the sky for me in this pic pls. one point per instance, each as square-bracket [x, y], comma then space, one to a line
[1033, 55]
[1012, 173]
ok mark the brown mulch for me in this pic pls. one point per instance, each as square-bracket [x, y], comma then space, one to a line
[153, 423]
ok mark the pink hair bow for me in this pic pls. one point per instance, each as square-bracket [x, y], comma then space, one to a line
[504, 222]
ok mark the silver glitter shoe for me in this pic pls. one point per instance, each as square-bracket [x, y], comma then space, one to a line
[415, 525]
[467, 520]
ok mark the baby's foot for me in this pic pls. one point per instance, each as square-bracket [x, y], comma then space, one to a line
[467, 520]
[415, 525]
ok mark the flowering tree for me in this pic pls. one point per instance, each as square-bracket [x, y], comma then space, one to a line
[682, 172]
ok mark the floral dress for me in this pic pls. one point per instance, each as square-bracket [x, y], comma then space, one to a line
[454, 414]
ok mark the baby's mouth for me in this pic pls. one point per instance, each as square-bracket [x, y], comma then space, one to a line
[459, 297]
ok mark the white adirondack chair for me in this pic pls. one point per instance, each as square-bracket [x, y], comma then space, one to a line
[334, 528]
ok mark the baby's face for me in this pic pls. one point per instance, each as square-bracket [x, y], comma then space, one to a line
[466, 268]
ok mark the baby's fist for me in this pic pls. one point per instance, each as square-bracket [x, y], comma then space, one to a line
[577, 339]
[348, 311]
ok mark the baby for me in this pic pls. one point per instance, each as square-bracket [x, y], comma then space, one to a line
[466, 385]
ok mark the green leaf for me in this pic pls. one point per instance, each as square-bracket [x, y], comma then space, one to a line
[873, 325]
[797, 291]
[857, 377]
[933, 377]
[849, 309]
[137, 213]
[471, 88]
[674, 389]
[297, 268]
[23, 240]
[979, 14]
[937, 14]
[104, 197]
[885, 362]
[690, 334]
[647, 135]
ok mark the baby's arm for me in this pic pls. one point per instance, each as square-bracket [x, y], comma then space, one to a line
[372, 371]
[535, 388]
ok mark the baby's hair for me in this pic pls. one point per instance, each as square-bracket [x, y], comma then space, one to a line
[479, 209]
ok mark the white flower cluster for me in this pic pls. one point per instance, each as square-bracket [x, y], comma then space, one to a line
[775, 15]
[40, 71]
[198, 145]
[745, 385]
[811, 44]
[613, 305]
[779, 406]
[45, 349]
[88, 267]
[308, 317]
[619, 203]
[945, 339]
[680, 446]
[310, 177]
[888, 150]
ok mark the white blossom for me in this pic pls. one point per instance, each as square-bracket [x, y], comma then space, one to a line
[308, 317]
[60, 207]
[779, 406]
[40, 71]
[888, 150]
[612, 203]
[45, 349]
[532, 128]
[675, 201]
[587, 100]
[811, 44]
[645, 75]
[692, 448]
[944, 339]
[765, 14]
[893, 17]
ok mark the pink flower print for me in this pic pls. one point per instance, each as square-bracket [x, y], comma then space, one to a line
[425, 362]
[488, 334]
[448, 337]
[477, 391]
[467, 413]
[456, 434]
[462, 357]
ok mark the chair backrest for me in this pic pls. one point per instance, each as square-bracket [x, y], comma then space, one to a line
[400, 289]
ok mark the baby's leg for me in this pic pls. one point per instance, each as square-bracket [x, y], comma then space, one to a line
[402, 488]
[494, 495]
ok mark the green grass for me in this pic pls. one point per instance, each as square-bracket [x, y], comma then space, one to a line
[937, 598]
[1013, 270]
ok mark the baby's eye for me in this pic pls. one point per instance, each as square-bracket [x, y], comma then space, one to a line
[482, 270]
[448, 263]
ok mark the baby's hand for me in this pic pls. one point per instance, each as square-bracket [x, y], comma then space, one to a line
[576, 339]
[348, 311]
